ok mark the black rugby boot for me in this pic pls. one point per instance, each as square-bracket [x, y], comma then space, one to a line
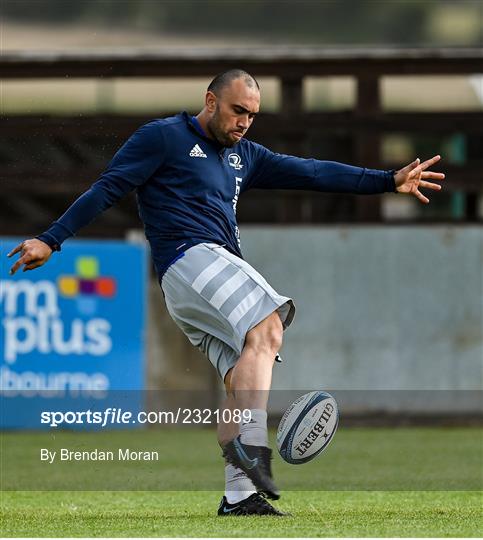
[254, 461]
[254, 505]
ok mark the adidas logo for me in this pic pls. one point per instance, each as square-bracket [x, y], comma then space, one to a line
[196, 151]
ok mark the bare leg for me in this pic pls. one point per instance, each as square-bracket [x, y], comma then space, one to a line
[252, 375]
[248, 382]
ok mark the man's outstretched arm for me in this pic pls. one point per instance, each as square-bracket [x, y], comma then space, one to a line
[132, 165]
[279, 171]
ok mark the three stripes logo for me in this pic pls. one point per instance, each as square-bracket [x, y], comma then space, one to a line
[196, 151]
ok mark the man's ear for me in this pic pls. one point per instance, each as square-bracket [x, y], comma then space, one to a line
[210, 102]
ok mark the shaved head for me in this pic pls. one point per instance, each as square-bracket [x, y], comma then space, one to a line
[223, 80]
[232, 101]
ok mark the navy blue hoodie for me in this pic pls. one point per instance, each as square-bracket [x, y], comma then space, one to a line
[188, 186]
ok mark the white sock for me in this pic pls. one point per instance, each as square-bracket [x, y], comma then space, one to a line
[255, 431]
[237, 484]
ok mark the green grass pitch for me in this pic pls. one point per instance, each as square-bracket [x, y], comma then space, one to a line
[369, 482]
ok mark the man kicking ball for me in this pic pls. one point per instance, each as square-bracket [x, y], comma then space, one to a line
[189, 173]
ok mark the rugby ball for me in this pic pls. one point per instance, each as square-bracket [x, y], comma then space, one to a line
[307, 427]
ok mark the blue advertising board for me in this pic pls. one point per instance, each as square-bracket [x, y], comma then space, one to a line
[72, 329]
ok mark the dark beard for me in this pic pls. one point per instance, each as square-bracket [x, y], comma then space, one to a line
[217, 134]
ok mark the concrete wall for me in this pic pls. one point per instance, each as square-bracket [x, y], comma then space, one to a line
[379, 308]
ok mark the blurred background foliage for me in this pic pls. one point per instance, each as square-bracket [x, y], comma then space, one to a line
[334, 22]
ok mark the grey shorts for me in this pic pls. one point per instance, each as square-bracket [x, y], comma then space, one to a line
[216, 298]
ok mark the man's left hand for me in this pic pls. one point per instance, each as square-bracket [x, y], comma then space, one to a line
[415, 176]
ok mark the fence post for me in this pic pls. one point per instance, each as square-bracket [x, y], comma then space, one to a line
[291, 108]
[368, 141]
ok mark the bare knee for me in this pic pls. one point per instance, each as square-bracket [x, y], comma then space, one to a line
[266, 337]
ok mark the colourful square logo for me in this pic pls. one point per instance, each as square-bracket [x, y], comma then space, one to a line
[87, 282]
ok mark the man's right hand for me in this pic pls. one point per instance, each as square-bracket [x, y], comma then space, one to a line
[33, 253]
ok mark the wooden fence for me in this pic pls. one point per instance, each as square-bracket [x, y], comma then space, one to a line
[48, 160]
